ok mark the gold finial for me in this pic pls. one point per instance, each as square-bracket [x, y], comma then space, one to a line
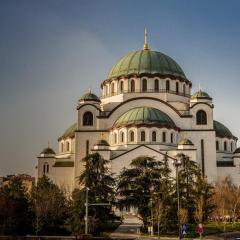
[101, 135]
[145, 46]
[48, 144]
[199, 87]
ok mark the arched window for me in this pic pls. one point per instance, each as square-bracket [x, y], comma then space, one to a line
[115, 138]
[68, 146]
[225, 146]
[112, 88]
[167, 85]
[132, 88]
[87, 119]
[143, 136]
[87, 147]
[177, 87]
[164, 137]
[131, 136]
[231, 145]
[217, 145]
[121, 86]
[171, 137]
[62, 147]
[156, 85]
[184, 89]
[122, 137]
[154, 136]
[45, 168]
[144, 85]
[201, 117]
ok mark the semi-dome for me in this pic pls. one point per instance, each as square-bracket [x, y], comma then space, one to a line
[237, 150]
[89, 97]
[221, 130]
[200, 94]
[102, 142]
[70, 132]
[185, 141]
[145, 116]
[48, 150]
[146, 62]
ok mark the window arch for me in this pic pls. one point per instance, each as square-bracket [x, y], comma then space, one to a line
[167, 85]
[217, 145]
[121, 86]
[87, 147]
[171, 136]
[225, 145]
[45, 168]
[144, 85]
[184, 89]
[156, 85]
[177, 87]
[115, 138]
[164, 137]
[122, 137]
[154, 136]
[132, 86]
[131, 134]
[112, 88]
[201, 117]
[143, 136]
[87, 119]
[68, 146]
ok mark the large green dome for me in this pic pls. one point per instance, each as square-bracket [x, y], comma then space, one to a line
[222, 131]
[145, 116]
[146, 62]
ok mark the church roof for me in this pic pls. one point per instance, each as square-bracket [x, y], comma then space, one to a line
[48, 150]
[237, 150]
[89, 97]
[200, 94]
[102, 142]
[221, 130]
[146, 62]
[185, 141]
[70, 132]
[145, 116]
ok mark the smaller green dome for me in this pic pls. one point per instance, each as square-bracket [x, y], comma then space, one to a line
[102, 142]
[185, 141]
[70, 132]
[237, 150]
[89, 97]
[145, 116]
[200, 94]
[222, 131]
[48, 150]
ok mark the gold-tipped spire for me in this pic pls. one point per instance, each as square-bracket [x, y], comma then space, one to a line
[89, 90]
[145, 46]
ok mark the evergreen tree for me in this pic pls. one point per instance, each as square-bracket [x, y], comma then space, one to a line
[100, 183]
[145, 180]
[15, 214]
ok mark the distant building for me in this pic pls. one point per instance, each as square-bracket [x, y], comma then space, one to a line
[27, 180]
[146, 108]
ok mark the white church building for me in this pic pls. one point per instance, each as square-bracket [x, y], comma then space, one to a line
[146, 108]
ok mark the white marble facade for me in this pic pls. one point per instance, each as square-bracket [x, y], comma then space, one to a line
[146, 108]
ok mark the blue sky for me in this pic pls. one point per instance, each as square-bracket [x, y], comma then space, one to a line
[52, 51]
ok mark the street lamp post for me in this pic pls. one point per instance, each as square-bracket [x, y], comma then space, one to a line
[177, 163]
[87, 204]
[86, 212]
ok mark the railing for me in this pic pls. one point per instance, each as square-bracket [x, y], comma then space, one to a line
[147, 91]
